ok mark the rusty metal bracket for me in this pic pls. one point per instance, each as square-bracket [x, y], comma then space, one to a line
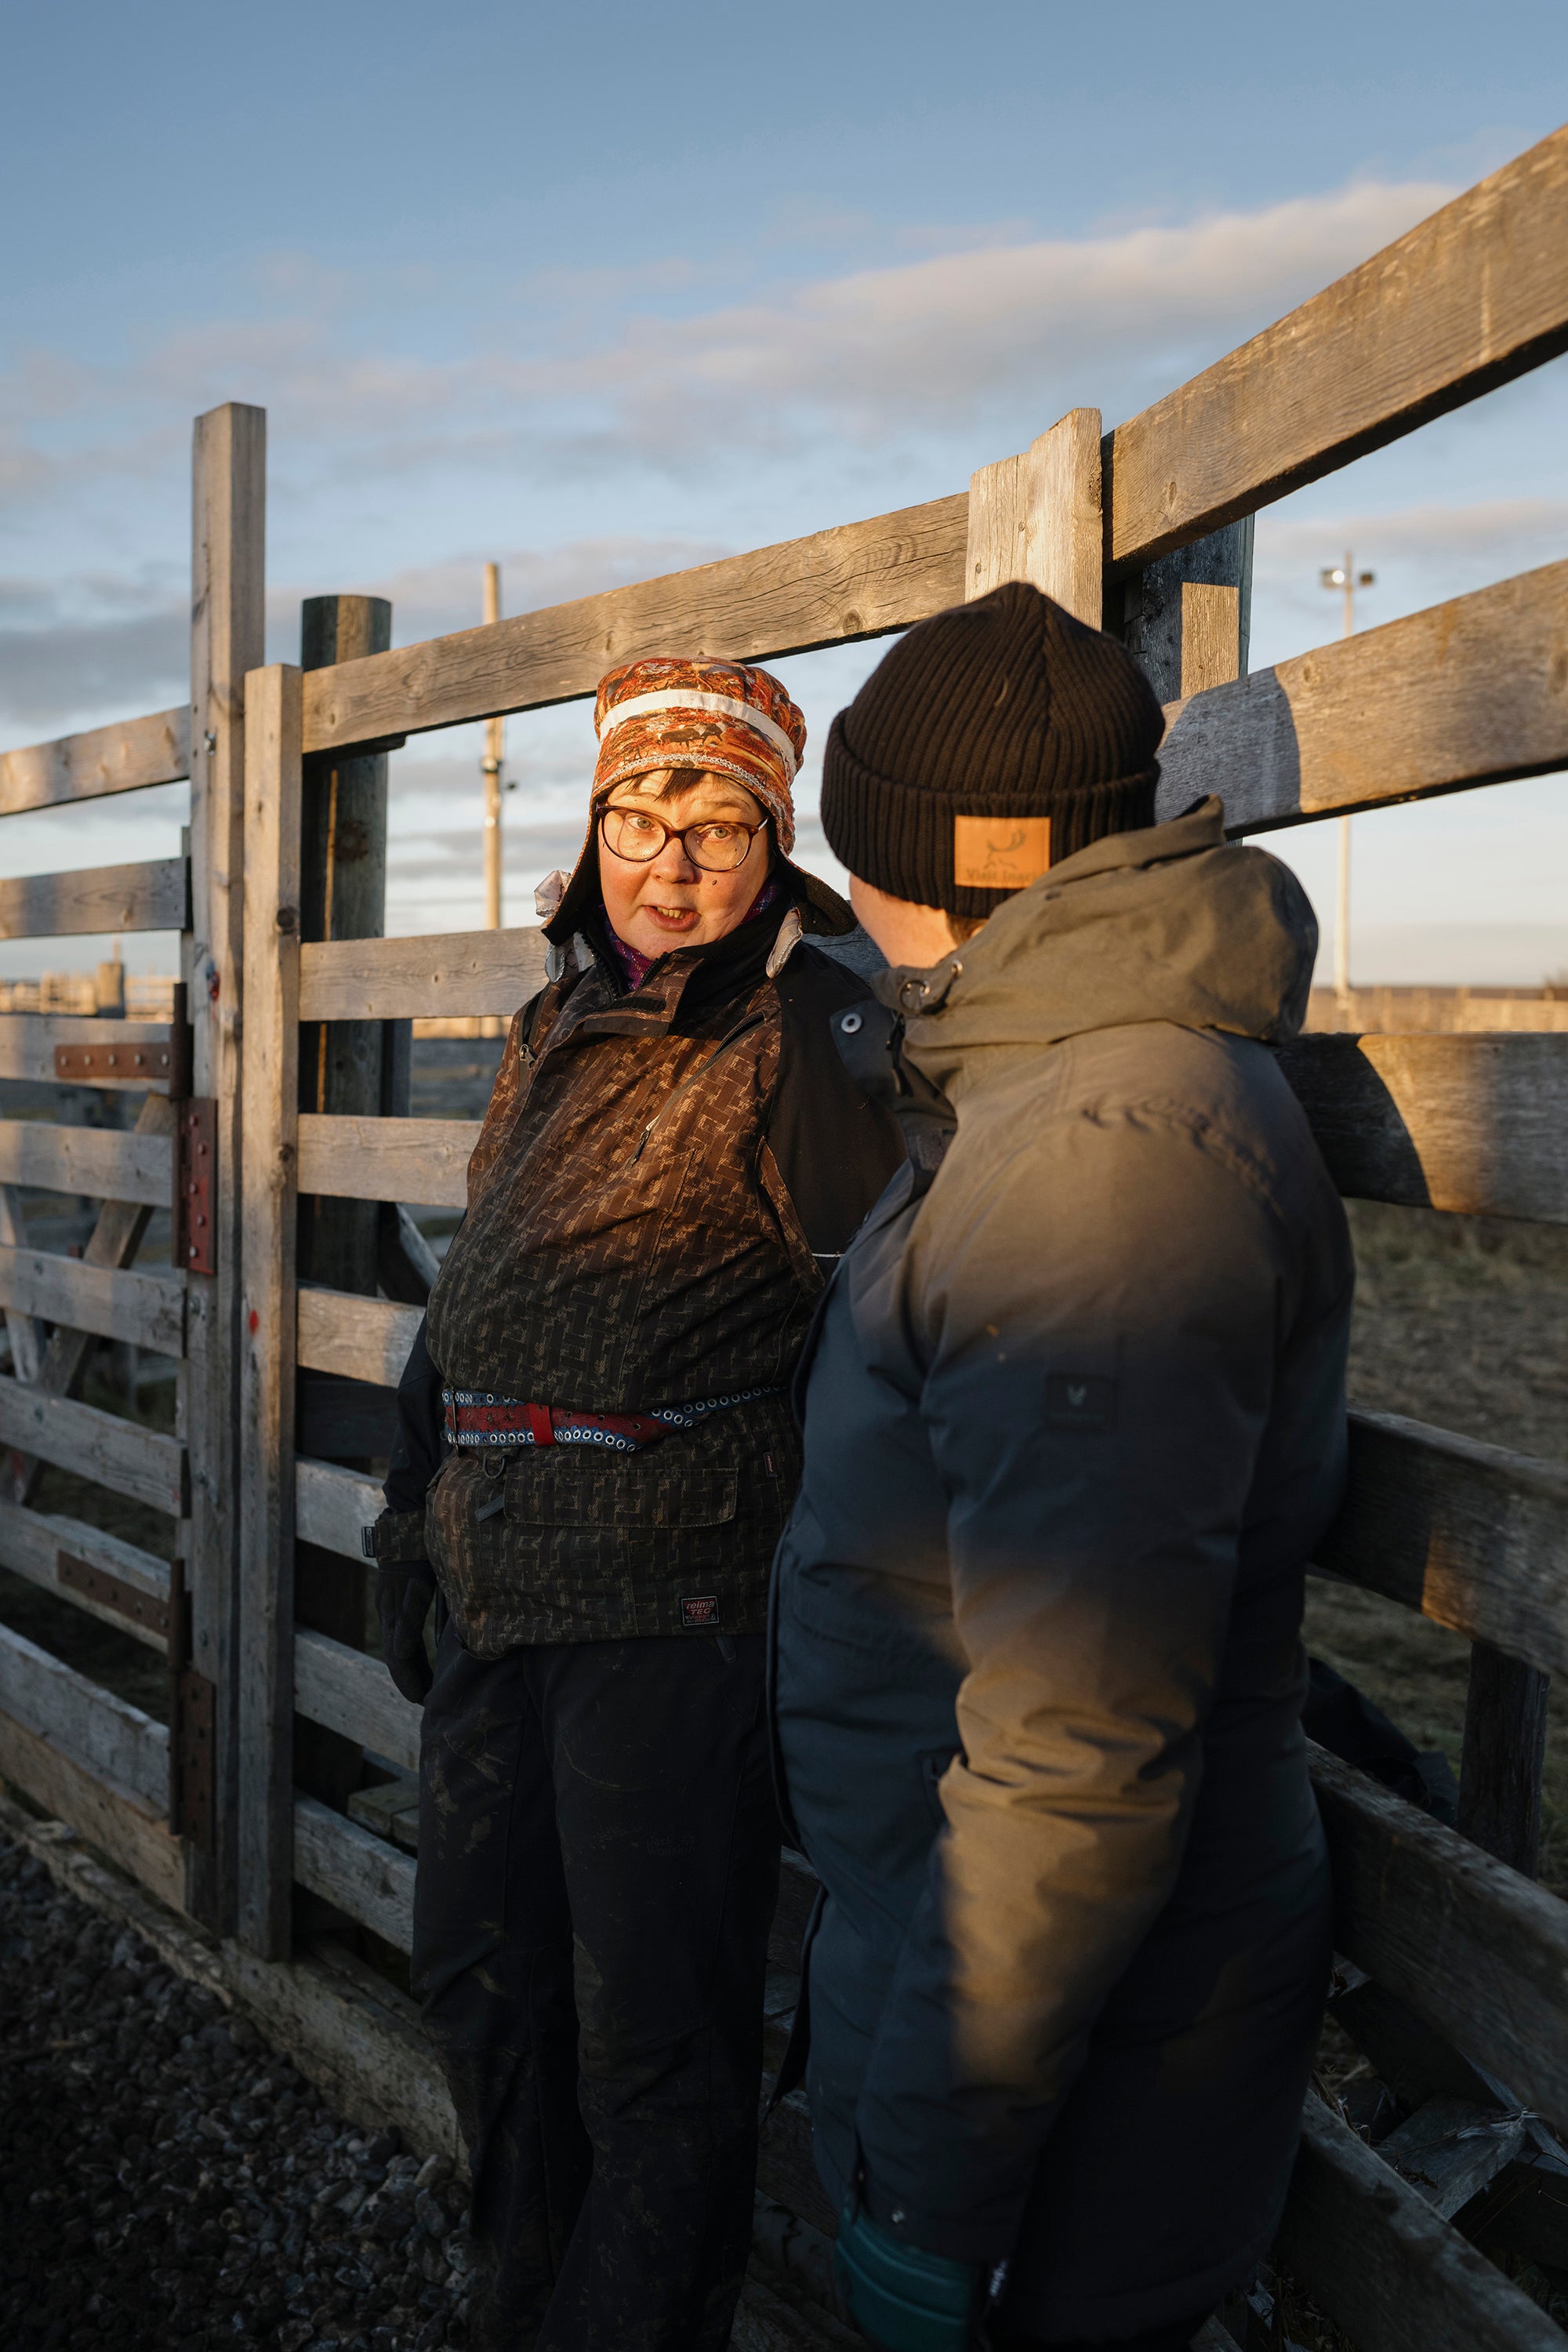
[192, 1233]
[119, 1064]
[111, 1593]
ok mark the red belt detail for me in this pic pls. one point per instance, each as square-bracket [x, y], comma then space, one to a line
[539, 1423]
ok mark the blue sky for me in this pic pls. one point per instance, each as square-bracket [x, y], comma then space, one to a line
[600, 291]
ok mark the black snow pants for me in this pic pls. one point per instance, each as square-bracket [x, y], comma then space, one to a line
[598, 1863]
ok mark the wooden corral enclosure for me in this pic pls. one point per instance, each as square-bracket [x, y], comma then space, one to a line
[1455, 1963]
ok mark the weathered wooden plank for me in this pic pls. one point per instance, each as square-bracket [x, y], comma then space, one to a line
[144, 1308]
[425, 979]
[31, 1543]
[1504, 1752]
[352, 1691]
[1037, 517]
[98, 1161]
[26, 1336]
[121, 1455]
[363, 1339]
[853, 581]
[1477, 1950]
[1450, 2148]
[1473, 1535]
[113, 1242]
[425, 1160]
[122, 758]
[1188, 617]
[154, 896]
[105, 1735]
[331, 1505]
[1369, 2248]
[118, 1825]
[1469, 692]
[1476, 295]
[140, 1049]
[267, 1226]
[228, 513]
[363, 1875]
[1474, 1124]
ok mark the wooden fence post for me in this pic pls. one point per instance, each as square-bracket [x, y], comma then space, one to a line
[343, 896]
[1504, 1750]
[1188, 617]
[1037, 517]
[227, 594]
[268, 1307]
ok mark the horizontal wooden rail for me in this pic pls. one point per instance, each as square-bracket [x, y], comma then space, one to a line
[1466, 693]
[1471, 1535]
[1478, 1951]
[27, 1043]
[423, 1160]
[154, 896]
[1369, 2248]
[147, 1309]
[1473, 1124]
[361, 1875]
[1476, 295]
[352, 1691]
[1477, 1125]
[108, 1737]
[122, 758]
[122, 1585]
[395, 980]
[856, 581]
[1473, 297]
[331, 1505]
[104, 1165]
[120, 1454]
[363, 1338]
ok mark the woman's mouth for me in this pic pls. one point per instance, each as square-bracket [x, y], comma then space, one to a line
[673, 918]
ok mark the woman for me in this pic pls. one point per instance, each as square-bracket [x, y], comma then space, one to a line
[598, 1409]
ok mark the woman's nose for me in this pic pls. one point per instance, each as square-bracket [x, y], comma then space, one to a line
[672, 863]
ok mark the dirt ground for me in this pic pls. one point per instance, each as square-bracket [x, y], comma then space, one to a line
[1460, 1322]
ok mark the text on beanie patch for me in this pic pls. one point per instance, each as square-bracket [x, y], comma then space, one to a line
[1000, 853]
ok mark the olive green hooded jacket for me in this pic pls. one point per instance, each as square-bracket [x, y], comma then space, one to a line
[1074, 1416]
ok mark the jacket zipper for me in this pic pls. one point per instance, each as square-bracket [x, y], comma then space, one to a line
[754, 1021]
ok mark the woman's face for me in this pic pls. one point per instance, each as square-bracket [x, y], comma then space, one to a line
[669, 902]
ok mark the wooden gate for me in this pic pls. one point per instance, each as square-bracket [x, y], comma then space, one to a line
[1454, 1963]
[161, 1796]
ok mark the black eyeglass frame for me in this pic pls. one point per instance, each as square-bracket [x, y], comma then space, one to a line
[672, 833]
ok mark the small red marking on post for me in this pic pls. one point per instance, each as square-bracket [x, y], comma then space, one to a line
[255, 1320]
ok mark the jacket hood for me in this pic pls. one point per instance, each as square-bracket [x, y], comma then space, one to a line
[1169, 923]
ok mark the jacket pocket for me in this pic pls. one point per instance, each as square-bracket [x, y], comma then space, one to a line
[626, 1495]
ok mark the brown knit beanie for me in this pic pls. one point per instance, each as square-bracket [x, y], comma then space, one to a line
[993, 741]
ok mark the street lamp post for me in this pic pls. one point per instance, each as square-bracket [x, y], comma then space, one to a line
[1346, 577]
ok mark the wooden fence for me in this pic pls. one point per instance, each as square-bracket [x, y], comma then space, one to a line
[1458, 1961]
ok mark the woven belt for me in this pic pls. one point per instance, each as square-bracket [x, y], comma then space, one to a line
[478, 1418]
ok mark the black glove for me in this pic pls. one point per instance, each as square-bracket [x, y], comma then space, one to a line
[404, 1588]
[404, 1591]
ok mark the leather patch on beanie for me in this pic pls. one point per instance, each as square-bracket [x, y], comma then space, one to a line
[1000, 853]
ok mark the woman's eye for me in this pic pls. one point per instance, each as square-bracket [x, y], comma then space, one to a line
[717, 833]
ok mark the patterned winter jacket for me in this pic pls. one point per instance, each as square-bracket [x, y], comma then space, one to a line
[662, 1181]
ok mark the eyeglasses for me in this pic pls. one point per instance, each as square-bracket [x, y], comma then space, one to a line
[716, 847]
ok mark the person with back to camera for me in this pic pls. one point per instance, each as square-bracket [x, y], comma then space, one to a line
[597, 1455]
[1074, 1420]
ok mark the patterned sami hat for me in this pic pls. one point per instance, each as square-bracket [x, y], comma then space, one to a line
[726, 716]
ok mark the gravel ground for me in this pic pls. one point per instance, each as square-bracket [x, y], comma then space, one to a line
[169, 2184]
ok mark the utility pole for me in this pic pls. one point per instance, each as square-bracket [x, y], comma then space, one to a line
[495, 746]
[1346, 577]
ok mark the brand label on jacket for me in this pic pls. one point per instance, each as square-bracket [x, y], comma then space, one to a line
[699, 1609]
[1085, 1400]
[1000, 853]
